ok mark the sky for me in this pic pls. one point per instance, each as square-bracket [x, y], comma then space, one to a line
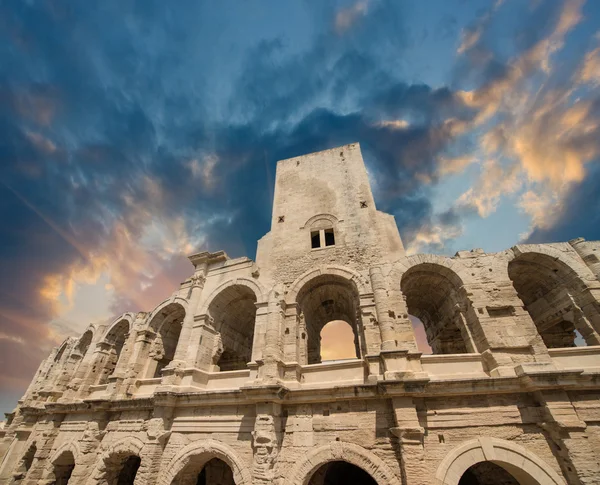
[136, 132]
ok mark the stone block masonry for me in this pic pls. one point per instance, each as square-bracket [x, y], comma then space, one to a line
[224, 383]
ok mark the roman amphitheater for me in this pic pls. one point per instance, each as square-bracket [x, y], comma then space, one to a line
[223, 383]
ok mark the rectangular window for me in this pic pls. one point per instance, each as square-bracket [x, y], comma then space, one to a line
[329, 238]
[315, 239]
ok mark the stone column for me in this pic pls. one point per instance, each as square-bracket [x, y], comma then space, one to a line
[157, 437]
[589, 252]
[575, 454]
[88, 452]
[261, 322]
[187, 347]
[384, 312]
[209, 347]
[94, 369]
[398, 354]
[410, 440]
[465, 331]
[502, 329]
[266, 442]
[290, 333]
[269, 366]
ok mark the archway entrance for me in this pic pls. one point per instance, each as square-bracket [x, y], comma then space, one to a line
[167, 325]
[114, 341]
[129, 470]
[435, 298]
[323, 300]
[233, 312]
[340, 473]
[63, 468]
[557, 300]
[200, 472]
[121, 469]
[487, 473]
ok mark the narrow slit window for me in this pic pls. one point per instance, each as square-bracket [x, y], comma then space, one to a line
[315, 239]
[329, 237]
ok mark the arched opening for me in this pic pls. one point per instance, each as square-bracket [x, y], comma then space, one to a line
[121, 469]
[554, 296]
[115, 340]
[201, 472]
[322, 300]
[340, 473]
[435, 297]
[487, 473]
[233, 313]
[63, 468]
[167, 324]
[60, 353]
[337, 341]
[84, 343]
[25, 463]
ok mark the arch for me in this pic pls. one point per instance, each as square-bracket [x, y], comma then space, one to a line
[330, 218]
[127, 317]
[341, 451]
[575, 264]
[434, 294]
[162, 306]
[61, 351]
[71, 446]
[526, 467]
[111, 460]
[453, 269]
[62, 467]
[555, 295]
[361, 283]
[84, 342]
[166, 326]
[258, 290]
[113, 342]
[205, 451]
[232, 314]
[323, 298]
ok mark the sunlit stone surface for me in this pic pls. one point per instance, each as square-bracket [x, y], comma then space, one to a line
[225, 382]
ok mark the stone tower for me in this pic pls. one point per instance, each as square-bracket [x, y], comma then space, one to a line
[224, 382]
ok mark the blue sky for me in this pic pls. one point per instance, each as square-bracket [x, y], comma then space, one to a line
[133, 133]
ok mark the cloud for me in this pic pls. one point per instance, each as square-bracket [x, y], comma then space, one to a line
[494, 182]
[346, 17]
[132, 136]
[590, 69]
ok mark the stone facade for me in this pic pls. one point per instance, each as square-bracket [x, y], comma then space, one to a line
[223, 382]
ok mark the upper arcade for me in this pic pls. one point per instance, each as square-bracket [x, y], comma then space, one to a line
[532, 311]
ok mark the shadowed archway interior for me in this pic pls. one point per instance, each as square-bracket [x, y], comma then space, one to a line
[63, 468]
[116, 340]
[433, 295]
[556, 299]
[487, 473]
[198, 471]
[233, 312]
[340, 473]
[168, 324]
